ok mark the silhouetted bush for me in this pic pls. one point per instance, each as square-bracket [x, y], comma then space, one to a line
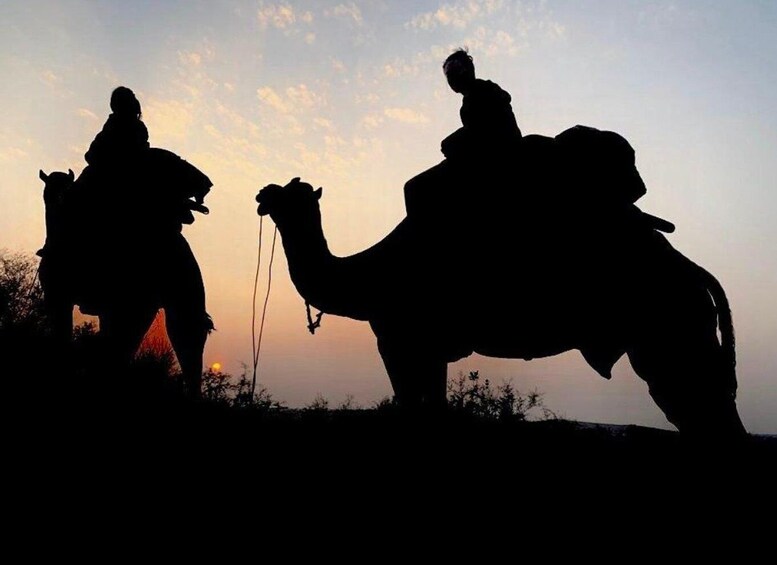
[348, 404]
[222, 388]
[319, 404]
[475, 396]
[21, 296]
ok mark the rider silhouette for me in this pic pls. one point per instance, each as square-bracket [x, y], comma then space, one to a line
[124, 134]
[488, 127]
[476, 153]
[103, 202]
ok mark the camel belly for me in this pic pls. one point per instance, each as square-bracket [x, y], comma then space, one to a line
[523, 342]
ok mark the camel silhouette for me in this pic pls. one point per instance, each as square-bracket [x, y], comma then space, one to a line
[511, 281]
[128, 278]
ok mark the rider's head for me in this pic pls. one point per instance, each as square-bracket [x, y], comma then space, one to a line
[124, 103]
[459, 70]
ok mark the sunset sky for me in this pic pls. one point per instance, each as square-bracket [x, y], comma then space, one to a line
[350, 96]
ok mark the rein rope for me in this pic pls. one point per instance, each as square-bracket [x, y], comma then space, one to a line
[256, 342]
[31, 288]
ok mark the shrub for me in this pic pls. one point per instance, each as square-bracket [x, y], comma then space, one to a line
[475, 396]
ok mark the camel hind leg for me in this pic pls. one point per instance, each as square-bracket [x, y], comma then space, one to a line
[188, 331]
[187, 321]
[690, 380]
[121, 332]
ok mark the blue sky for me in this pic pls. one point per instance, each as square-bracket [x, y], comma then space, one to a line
[350, 96]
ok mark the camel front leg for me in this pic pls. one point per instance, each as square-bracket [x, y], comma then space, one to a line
[419, 380]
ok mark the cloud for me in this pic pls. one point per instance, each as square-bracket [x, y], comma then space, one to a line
[458, 15]
[369, 98]
[291, 105]
[12, 154]
[553, 29]
[281, 16]
[50, 78]
[301, 95]
[206, 52]
[15, 146]
[398, 68]
[338, 65]
[272, 99]
[190, 58]
[294, 99]
[310, 38]
[348, 11]
[87, 114]
[665, 13]
[324, 123]
[405, 115]
[235, 147]
[371, 121]
[490, 42]
[237, 120]
[334, 140]
[168, 119]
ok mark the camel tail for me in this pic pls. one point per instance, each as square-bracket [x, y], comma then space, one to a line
[725, 321]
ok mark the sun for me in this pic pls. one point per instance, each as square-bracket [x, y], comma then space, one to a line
[216, 367]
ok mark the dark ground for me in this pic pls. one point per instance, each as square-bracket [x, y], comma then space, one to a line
[72, 440]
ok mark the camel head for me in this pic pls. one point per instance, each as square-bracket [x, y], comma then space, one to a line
[281, 201]
[55, 185]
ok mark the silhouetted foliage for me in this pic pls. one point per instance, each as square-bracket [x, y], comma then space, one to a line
[348, 404]
[21, 297]
[319, 404]
[476, 396]
[222, 388]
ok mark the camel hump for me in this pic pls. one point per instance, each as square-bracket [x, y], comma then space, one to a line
[604, 162]
[170, 188]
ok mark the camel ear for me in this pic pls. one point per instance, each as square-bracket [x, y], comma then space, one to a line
[43, 176]
[295, 180]
[318, 193]
[71, 175]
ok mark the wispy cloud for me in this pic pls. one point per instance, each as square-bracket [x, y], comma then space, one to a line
[12, 154]
[399, 68]
[15, 146]
[458, 15]
[167, 119]
[664, 13]
[323, 123]
[492, 43]
[338, 65]
[87, 114]
[50, 78]
[405, 115]
[271, 98]
[294, 98]
[281, 16]
[371, 121]
[301, 95]
[348, 11]
[190, 58]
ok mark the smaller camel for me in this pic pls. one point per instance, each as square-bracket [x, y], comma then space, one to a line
[650, 303]
[124, 283]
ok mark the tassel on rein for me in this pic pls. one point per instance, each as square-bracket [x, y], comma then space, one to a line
[313, 325]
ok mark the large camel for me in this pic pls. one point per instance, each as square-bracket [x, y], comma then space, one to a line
[518, 283]
[126, 275]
